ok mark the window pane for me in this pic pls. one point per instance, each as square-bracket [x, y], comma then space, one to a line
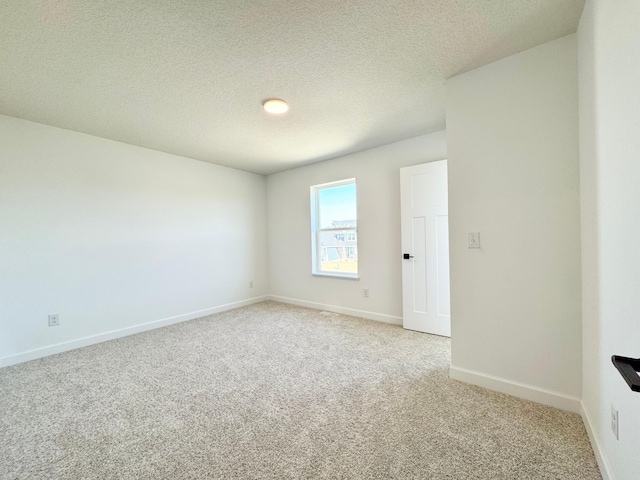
[339, 253]
[337, 206]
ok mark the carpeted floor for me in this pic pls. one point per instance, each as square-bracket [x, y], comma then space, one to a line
[275, 391]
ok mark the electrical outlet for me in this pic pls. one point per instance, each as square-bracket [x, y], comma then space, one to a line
[473, 240]
[615, 422]
[365, 292]
[251, 284]
[54, 320]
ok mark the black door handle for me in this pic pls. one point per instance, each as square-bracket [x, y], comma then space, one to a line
[406, 256]
[628, 368]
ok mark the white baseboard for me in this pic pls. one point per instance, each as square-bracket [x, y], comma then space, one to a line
[378, 317]
[122, 332]
[520, 390]
[605, 470]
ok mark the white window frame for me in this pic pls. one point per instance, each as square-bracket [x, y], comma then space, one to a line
[316, 254]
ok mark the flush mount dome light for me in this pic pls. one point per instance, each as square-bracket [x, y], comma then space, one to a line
[276, 106]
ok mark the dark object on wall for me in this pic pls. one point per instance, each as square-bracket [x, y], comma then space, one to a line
[628, 368]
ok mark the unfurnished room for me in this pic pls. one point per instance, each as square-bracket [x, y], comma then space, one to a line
[278, 239]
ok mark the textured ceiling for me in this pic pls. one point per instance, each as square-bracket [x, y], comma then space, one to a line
[189, 77]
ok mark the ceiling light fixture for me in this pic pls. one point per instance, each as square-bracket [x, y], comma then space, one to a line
[276, 106]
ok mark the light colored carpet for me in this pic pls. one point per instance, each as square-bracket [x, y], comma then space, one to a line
[275, 391]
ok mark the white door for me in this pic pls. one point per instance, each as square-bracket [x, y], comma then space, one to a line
[425, 248]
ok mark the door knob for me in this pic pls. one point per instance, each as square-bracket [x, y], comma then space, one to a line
[406, 256]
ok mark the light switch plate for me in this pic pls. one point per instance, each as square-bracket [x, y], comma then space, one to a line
[473, 240]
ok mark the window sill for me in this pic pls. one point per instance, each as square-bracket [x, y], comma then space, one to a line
[336, 275]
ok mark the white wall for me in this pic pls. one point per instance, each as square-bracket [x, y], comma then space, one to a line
[512, 139]
[377, 173]
[609, 79]
[111, 236]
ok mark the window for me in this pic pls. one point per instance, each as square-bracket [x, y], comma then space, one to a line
[334, 222]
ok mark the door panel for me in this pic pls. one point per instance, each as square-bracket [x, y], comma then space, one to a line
[418, 240]
[442, 269]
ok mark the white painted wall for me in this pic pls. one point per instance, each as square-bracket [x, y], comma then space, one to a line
[512, 140]
[609, 79]
[111, 236]
[377, 173]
